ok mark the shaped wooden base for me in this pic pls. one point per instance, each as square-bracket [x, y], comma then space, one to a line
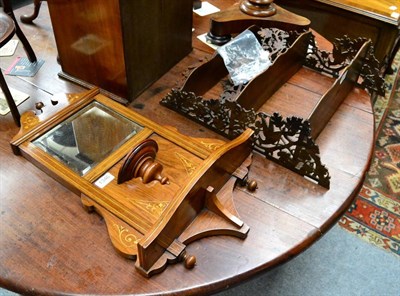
[217, 217]
[261, 13]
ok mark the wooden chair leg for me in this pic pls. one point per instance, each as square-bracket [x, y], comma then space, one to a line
[10, 101]
[28, 19]
[27, 47]
[389, 69]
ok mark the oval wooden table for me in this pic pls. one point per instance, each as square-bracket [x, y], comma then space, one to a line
[50, 246]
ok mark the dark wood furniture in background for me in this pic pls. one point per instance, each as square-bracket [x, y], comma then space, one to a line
[377, 20]
[241, 15]
[29, 18]
[49, 245]
[6, 33]
[156, 35]
[7, 8]
[120, 46]
[10, 26]
[89, 44]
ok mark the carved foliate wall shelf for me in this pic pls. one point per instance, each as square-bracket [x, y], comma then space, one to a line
[157, 190]
[290, 141]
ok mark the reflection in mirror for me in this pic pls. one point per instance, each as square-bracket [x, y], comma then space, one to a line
[87, 137]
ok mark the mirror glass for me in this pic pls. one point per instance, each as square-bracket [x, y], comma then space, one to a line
[87, 137]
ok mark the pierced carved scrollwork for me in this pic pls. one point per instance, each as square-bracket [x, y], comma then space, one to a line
[285, 141]
[276, 41]
[289, 142]
[223, 116]
[344, 51]
[372, 80]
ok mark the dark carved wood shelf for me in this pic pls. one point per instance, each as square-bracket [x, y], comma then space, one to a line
[235, 109]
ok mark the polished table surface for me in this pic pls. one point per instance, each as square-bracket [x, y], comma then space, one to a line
[385, 10]
[50, 245]
[372, 19]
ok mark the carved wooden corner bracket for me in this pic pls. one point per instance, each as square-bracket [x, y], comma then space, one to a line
[373, 81]
[344, 51]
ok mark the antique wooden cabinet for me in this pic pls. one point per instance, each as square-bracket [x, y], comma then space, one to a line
[377, 20]
[121, 46]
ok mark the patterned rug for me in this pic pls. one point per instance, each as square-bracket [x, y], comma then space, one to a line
[375, 214]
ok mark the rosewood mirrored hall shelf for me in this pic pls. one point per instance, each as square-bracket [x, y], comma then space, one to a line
[158, 190]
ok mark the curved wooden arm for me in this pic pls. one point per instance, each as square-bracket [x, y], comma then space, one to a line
[28, 19]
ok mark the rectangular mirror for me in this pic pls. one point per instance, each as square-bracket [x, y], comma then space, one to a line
[88, 137]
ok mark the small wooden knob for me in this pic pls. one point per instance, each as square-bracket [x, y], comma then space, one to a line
[150, 170]
[252, 185]
[189, 261]
[39, 106]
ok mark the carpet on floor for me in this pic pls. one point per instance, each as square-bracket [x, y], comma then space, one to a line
[375, 214]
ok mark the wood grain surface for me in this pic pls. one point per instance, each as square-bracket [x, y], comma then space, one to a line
[384, 9]
[375, 20]
[50, 246]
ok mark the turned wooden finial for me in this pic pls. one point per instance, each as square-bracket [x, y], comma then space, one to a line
[252, 185]
[189, 261]
[140, 162]
[258, 8]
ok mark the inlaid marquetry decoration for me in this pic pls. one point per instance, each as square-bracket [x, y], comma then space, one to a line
[187, 164]
[157, 190]
[32, 118]
[125, 236]
[154, 207]
[288, 141]
[210, 146]
[29, 120]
